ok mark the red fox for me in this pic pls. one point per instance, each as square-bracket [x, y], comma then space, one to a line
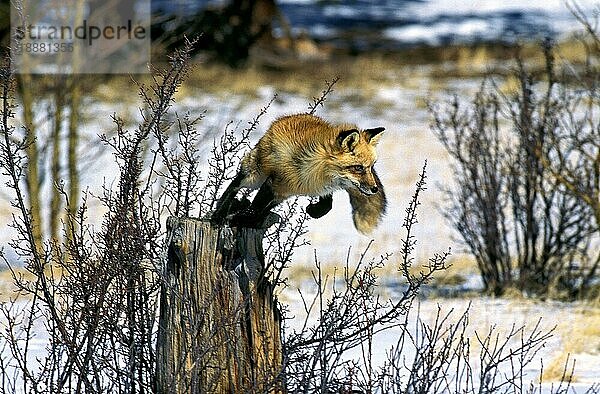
[305, 155]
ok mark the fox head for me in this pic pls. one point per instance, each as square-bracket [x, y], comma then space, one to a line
[356, 158]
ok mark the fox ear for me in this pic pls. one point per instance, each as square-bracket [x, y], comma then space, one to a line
[374, 134]
[348, 139]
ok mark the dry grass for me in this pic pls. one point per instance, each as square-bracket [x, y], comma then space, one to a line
[302, 278]
[8, 290]
[581, 334]
[463, 264]
[365, 73]
[559, 369]
[299, 273]
[460, 267]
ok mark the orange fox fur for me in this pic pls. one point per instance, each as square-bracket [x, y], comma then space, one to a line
[305, 155]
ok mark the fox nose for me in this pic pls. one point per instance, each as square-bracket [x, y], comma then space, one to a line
[374, 189]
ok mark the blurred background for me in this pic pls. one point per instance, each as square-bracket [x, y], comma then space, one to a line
[364, 26]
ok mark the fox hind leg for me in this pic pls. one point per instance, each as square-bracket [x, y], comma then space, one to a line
[321, 208]
[227, 200]
[261, 206]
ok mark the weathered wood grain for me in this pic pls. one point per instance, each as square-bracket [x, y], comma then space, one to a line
[219, 326]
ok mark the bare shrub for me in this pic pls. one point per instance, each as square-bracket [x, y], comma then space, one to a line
[524, 226]
[477, 205]
[97, 301]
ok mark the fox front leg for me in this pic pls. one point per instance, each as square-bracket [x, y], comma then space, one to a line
[320, 208]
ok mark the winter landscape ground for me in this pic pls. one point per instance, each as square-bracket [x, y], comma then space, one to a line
[398, 103]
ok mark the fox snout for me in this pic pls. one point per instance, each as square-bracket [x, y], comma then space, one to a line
[368, 185]
[368, 189]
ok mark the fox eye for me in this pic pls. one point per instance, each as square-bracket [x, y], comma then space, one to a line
[357, 168]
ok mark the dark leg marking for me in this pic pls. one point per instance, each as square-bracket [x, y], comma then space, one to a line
[260, 208]
[226, 201]
[321, 208]
[239, 205]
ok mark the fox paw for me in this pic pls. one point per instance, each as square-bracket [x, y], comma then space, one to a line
[239, 205]
[250, 219]
[221, 215]
[321, 208]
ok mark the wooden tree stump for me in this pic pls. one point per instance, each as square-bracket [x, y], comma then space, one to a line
[219, 327]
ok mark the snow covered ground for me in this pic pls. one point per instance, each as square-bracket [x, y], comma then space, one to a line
[500, 316]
